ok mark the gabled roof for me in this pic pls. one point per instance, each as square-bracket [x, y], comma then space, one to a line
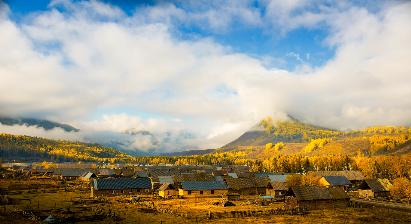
[337, 180]
[239, 183]
[349, 174]
[378, 185]
[122, 183]
[203, 185]
[89, 175]
[166, 186]
[310, 193]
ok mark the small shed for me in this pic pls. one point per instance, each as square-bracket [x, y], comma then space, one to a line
[279, 189]
[86, 177]
[167, 190]
[316, 197]
[242, 186]
[375, 188]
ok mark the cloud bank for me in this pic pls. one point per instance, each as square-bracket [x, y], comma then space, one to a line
[94, 66]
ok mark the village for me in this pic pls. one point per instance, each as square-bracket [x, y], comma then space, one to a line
[187, 193]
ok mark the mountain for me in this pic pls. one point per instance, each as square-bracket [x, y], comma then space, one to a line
[46, 124]
[298, 138]
[26, 148]
[288, 130]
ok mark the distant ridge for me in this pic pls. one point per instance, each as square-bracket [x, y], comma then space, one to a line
[46, 124]
[286, 130]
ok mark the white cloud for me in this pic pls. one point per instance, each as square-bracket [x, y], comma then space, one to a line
[70, 65]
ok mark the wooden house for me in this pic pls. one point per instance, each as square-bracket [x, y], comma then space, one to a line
[335, 181]
[316, 197]
[263, 185]
[69, 173]
[354, 176]
[374, 188]
[167, 190]
[242, 186]
[121, 186]
[88, 176]
[190, 189]
[279, 189]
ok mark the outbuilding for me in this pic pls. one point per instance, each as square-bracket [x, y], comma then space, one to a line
[121, 186]
[190, 189]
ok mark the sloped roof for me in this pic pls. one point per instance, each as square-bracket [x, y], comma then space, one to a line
[349, 174]
[310, 193]
[239, 183]
[165, 179]
[279, 186]
[378, 185]
[233, 175]
[337, 180]
[203, 185]
[337, 193]
[166, 186]
[122, 183]
[89, 175]
[277, 177]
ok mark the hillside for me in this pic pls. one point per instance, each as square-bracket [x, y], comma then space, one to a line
[290, 130]
[26, 148]
[46, 124]
[292, 137]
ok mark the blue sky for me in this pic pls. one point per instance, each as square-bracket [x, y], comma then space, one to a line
[284, 48]
[209, 68]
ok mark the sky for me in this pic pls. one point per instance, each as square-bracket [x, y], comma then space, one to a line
[197, 74]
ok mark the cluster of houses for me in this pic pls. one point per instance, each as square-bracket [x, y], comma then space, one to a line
[232, 182]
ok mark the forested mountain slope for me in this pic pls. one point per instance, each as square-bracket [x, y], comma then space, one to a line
[26, 148]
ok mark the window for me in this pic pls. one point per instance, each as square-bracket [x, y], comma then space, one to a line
[189, 192]
[212, 191]
[201, 192]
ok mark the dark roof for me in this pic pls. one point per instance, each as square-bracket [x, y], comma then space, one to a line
[203, 185]
[337, 180]
[122, 183]
[310, 193]
[378, 185]
[349, 174]
[239, 183]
